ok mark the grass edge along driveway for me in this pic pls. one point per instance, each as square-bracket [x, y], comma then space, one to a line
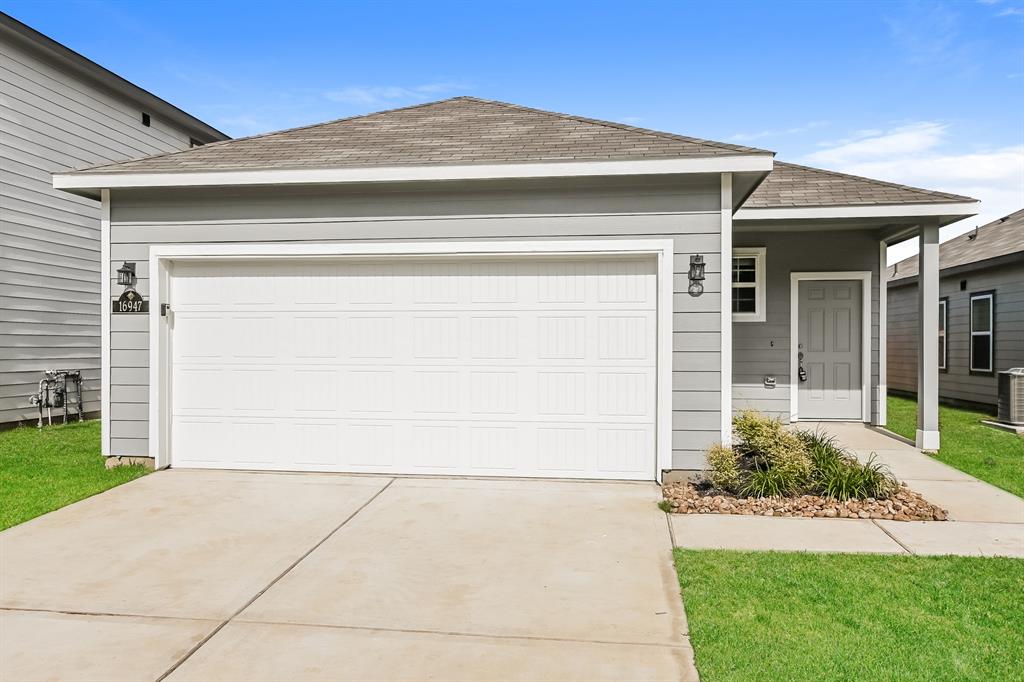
[802, 616]
[46, 469]
[994, 456]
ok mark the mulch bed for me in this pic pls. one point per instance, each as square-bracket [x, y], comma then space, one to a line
[904, 505]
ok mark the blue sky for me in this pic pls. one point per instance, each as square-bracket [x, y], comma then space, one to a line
[924, 93]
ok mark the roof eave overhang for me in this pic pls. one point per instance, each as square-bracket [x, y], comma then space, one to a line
[945, 212]
[953, 270]
[89, 184]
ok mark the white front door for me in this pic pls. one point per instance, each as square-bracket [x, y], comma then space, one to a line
[829, 350]
[539, 367]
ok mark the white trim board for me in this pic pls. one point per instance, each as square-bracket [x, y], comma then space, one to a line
[794, 334]
[883, 334]
[873, 211]
[105, 322]
[725, 306]
[162, 258]
[84, 180]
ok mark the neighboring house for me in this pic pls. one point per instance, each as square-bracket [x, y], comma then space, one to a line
[58, 110]
[981, 314]
[474, 287]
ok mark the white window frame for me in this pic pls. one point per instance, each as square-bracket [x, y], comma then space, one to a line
[759, 254]
[943, 332]
[991, 333]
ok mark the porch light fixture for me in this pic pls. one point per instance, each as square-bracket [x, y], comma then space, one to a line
[126, 274]
[696, 275]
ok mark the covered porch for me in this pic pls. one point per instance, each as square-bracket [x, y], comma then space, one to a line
[808, 332]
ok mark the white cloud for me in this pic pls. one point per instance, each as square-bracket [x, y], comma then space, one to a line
[918, 155]
[374, 95]
[747, 137]
[871, 144]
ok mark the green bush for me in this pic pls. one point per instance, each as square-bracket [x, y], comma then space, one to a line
[773, 482]
[772, 446]
[725, 468]
[846, 480]
[769, 460]
[838, 474]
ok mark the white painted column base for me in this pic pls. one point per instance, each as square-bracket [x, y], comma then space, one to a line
[927, 440]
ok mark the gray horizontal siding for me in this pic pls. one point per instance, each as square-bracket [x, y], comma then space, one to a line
[763, 348]
[684, 210]
[957, 382]
[50, 240]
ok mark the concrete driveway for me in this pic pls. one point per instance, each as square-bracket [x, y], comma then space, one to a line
[192, 575]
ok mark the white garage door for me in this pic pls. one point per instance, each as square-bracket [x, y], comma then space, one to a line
[497, 367]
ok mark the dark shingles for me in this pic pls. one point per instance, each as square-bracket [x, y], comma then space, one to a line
[790, 186]
[999, 238]
[462, 130]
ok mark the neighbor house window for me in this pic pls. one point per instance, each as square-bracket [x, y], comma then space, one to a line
[943, 319]
[748, 284]
[983, 331]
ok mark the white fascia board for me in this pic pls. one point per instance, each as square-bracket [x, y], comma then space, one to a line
[872, 211]
[715, 164]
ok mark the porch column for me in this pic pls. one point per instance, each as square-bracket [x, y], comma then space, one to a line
[928, 337]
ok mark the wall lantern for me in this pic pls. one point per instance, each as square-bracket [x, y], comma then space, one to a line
[126, 274]
[696, 275]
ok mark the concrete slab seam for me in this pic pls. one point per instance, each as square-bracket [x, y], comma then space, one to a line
[892, 537]
[480, 635]
[273, 582]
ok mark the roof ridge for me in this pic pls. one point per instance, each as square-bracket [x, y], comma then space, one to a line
[917, 190]
[272, 133]
[622, 126]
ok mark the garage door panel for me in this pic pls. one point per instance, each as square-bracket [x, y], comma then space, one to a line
[494, 367]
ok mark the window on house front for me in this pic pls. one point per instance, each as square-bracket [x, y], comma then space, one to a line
[748, 286]
[983, 331]
[943, 319]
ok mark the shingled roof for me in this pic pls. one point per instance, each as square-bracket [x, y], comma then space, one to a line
[457, 131]
[790, 186]
[1001, 237]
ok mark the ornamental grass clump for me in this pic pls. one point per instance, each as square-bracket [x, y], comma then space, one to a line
[839, 476]
[769, 460]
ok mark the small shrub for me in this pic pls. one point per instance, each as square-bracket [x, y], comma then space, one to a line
[725, 468]
[772, 446]
[771, 482]
[849, 479]
[822, 448]
[665, 506]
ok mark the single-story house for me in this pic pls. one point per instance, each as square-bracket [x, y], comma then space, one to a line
[62, 111]
[981, 314]
[474, 287]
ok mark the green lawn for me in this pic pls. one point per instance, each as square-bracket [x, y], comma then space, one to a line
[967, 444]
[799, 616]
[43, 470]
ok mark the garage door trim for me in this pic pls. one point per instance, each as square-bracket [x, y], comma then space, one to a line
[161, 261]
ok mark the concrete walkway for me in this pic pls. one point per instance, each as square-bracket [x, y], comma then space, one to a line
[983, 520]
[191, 575]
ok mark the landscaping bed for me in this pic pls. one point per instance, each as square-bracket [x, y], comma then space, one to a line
[776, 471]
[904, 505]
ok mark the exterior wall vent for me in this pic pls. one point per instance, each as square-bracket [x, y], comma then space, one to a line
[145, 119]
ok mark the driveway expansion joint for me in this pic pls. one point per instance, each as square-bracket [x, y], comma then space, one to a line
[105, 614]
[893, 537]
[273, 582]
[482, 635]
